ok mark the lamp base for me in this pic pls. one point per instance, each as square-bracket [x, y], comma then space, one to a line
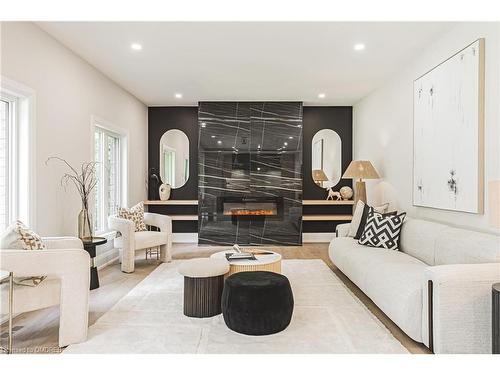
[360, 193]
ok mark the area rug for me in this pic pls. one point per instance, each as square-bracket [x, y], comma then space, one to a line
[327, 318]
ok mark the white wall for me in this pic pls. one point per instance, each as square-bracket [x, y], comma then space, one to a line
[383, 126]
[68, 92]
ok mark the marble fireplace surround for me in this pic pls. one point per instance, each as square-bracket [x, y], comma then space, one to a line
[250, 161]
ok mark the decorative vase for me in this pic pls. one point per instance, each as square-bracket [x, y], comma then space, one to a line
[346, 192]
[84, 224]
[165, 192]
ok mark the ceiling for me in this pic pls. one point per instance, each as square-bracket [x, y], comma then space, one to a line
[247, 60]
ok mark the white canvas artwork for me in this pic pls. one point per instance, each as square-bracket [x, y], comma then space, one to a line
[448, 132]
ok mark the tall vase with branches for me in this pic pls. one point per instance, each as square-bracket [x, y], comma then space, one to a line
[85, 180]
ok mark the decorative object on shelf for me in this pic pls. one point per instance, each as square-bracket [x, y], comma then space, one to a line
[346, 193]
[154, 183]
[164, 191]
[85, 181]
[319, 177]
[333, 195]
[361, 169]
[448, 139]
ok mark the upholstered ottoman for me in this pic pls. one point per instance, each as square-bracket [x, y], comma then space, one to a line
[257, 303]
[203, 285]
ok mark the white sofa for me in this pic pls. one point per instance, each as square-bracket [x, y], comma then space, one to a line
[66, 266]
[130, 241]
[437, 288]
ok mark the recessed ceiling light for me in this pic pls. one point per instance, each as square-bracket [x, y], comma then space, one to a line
[290, 137]
[321, 96]
[258, 168]
[178, 96]
[203, 124]
[359, 47]
[219, 142]
[212, 136]
[136, 46]
[285, 143]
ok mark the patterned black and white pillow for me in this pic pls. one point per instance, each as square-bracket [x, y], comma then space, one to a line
[382, 230]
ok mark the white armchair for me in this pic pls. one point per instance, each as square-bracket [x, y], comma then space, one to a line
[66, 265]
[130, 241]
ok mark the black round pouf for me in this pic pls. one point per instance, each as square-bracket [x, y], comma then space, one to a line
[257, 303]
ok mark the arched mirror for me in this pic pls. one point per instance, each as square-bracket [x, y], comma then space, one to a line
[326, 160]
[174, 158]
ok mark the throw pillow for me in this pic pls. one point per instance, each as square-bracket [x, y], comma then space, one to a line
[136, 214]
[364, 217]
[382, 230]
[19, 236]
[358, 215]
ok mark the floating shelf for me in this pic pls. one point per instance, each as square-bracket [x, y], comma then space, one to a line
[324, 202]
[326, 217]
[172, 202]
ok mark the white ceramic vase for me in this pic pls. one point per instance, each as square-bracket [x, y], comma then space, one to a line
[165, 192]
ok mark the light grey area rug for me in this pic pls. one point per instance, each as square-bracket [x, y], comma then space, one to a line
[327, 318]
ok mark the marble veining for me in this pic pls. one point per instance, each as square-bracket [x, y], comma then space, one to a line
[250, 150]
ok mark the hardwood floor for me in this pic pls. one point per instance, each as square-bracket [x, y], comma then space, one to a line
[37, 332]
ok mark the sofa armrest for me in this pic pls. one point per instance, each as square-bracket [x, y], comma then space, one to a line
[124, 226]
[71, 267]
[342, 230]
[461, 307]
[62, 242]
[163, 222]
[60, 263]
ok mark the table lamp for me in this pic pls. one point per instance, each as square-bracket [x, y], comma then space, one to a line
[319, 176]
[360, 169]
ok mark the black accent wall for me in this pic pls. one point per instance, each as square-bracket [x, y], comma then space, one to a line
[162, 119]
[338, 119]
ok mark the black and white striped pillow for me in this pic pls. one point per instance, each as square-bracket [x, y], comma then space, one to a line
[382, 230]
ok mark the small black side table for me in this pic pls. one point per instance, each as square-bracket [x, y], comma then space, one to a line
[89, 244]
[495, 323]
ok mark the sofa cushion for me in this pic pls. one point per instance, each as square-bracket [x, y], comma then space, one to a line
[146, 239]
[418, 239]
[460, 246]
[393, 280]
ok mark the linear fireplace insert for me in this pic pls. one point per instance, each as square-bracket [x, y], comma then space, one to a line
[250, 206]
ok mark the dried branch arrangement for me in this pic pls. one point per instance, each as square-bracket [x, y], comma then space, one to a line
[85, 180]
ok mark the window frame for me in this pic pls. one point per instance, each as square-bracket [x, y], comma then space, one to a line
[21, 180]
[122, 134]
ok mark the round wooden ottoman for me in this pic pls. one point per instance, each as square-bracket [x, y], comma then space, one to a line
[203, 285]
[257, 302]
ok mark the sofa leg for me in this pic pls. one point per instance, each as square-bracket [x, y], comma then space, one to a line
[430, 314]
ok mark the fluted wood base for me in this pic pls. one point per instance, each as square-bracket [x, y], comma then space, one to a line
[271, 267]
[202, 296]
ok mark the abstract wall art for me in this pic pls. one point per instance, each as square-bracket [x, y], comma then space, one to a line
[448, 131]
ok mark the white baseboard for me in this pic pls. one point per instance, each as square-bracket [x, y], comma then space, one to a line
[185, 237]
[317, 237]
[107, 263]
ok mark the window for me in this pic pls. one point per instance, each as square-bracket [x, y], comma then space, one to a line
[108, 153]
[5, 125]
[16, 154]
